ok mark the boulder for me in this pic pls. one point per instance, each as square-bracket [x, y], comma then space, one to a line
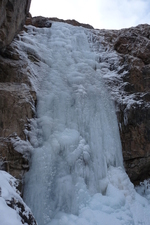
[40, 21]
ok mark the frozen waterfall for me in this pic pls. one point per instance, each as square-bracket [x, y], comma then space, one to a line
[76, 174]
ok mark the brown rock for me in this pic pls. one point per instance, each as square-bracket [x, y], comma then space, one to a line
[136, 42]
[135, 136]
[40, 21]
[133, 46]
[13, 14]
[17, 100]
[130, 89]
[12, 161]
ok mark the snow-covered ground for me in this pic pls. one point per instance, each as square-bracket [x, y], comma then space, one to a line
[9, 195]
[77, 175]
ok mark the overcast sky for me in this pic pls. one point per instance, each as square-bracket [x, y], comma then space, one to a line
[108, 14]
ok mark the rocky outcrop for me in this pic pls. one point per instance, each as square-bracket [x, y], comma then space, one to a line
[17, 101]
[135, 136]
[25, 215]
[13, 14]
[16, 95]
[127, 52]
[40, 21]
[133, 45]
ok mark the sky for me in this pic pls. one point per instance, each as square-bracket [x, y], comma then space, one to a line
[107, 14]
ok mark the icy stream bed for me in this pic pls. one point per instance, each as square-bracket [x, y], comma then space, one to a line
[76, 175]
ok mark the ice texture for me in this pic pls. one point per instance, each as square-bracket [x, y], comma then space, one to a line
[76, 174]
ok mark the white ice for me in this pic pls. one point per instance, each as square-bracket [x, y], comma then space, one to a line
[76, 175]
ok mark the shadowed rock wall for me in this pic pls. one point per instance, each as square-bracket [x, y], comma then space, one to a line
[133, 46]
[16, 95]
[127, 52]
[17, 100]
[12, 18]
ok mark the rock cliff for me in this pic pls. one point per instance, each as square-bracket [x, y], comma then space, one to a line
[40, 21]
[13, 14]
[16, 96]
[133, 46]
[17, 102]
[130, 89]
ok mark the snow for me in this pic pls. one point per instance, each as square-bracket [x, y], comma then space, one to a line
[76, 175]
[120, 205]
[8, 192]
[8, 215]
[111, 70]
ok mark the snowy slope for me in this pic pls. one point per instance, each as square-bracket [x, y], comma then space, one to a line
[13, 210]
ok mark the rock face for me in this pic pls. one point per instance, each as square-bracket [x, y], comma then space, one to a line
[17, 100]
[133, 45]
[40, 21]
[16, 96]
[13, 14]
[128, 54]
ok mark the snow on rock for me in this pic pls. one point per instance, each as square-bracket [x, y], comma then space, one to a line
[17, 107]
[13, 210]
[123, 60]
